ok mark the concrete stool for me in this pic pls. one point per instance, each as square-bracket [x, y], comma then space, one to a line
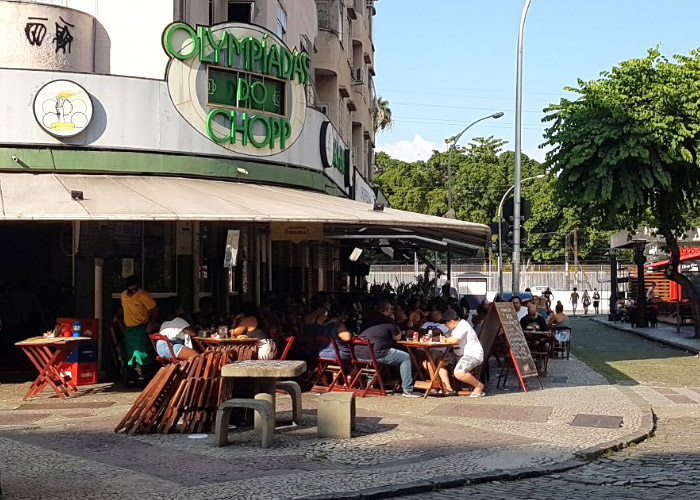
[264, 409]
[336, 415]
[294, 390]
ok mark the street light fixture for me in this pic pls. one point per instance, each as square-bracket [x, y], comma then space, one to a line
[450, 212]
[500, 219]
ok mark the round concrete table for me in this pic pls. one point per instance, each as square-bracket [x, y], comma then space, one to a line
[263, 375]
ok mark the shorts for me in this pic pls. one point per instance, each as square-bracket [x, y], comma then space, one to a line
[467, 364]
[164, 352]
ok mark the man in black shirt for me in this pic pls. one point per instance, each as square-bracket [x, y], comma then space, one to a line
[533, 321]
[382, 331]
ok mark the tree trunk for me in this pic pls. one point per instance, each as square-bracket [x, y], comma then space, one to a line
[687, 286]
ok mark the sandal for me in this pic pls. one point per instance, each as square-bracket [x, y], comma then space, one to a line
[450, 393]
[477, 395]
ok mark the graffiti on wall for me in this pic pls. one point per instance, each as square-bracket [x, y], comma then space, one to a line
[35, 31]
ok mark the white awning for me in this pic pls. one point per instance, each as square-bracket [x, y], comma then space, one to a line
[47, 197]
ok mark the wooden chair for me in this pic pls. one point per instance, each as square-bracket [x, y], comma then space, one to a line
[155, 337]
[561, 341]
[330, 373]
[367, 377]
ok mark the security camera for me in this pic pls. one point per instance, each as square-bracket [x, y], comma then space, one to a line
[14, 158]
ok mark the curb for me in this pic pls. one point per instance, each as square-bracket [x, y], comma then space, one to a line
[455, 481]
[649, 426]
[647, 336]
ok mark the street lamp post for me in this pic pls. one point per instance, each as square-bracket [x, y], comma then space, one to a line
[495, 116]
[500, 235]
[516, 176]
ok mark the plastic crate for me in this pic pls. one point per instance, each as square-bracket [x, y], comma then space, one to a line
[81, 373]
[84, 352]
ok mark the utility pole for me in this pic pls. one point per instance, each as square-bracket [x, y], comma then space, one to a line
[576, 255]
[566, 257]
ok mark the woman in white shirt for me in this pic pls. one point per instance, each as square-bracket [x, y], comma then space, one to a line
[178, 331]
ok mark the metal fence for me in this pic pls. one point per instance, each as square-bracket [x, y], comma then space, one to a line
[555, 277]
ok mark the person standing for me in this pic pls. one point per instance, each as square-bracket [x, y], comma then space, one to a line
[585, 301]
[140, 316]
[596, 300]
[574, 300]
[651, 292]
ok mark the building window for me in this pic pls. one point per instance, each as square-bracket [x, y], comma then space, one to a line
[341, 19]
[211, 12]
[324, 15]
[240, 12]
[281, 23]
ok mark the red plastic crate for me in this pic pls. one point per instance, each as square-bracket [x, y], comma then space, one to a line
[81, 373]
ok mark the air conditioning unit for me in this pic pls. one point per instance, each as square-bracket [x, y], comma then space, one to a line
[357, 75]
[369, 4]
[323, 108]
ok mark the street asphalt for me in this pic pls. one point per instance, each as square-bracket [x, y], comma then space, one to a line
[64, 450]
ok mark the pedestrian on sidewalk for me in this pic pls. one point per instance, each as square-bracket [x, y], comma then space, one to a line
[596, 300]
[585, 301]
[574, 301]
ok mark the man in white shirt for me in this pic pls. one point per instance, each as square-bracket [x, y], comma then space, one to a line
[518, 305]
[467, 348]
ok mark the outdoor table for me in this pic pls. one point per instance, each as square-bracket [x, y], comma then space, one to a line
[47, 354]
[244, 348]
[263, 375]
[435, 356]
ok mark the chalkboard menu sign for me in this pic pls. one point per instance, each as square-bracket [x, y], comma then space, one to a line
[502, 318]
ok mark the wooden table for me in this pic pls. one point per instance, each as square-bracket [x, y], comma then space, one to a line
[435, 356]
[244, 348]
[47, 354]
[263, 375]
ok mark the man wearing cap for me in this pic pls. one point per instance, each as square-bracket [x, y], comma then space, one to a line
[467, 348]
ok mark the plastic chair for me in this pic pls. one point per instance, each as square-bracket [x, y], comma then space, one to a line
[330, 373]
[367, 377]
[155, 337]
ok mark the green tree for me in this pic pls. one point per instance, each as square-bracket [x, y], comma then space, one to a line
[626, 151]
[382, 115]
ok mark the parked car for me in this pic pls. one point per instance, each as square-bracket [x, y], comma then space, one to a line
[539, 289]
[505, 296]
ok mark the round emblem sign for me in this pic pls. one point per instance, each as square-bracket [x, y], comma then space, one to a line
[63, 108]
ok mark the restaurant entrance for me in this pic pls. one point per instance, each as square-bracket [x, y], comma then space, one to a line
[36, 268]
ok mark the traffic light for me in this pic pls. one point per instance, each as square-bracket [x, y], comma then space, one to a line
[507, 225]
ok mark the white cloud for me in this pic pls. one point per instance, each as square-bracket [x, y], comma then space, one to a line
[416, 149]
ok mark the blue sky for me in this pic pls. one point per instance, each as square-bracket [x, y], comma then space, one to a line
[444, 63]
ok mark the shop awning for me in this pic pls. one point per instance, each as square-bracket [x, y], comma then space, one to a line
[50, 196]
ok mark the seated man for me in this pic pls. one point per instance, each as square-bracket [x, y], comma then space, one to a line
[467, 349]
[382, 331]
[518, 305]
[533, 321]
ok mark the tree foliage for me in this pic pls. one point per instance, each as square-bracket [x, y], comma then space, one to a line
[626, 151]
[481, 173]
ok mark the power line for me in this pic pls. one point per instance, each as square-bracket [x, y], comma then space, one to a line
[428, 105]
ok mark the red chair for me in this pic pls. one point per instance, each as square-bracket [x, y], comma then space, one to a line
[367, 377]
[155, 337]
[287, 347]
[330, 373]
